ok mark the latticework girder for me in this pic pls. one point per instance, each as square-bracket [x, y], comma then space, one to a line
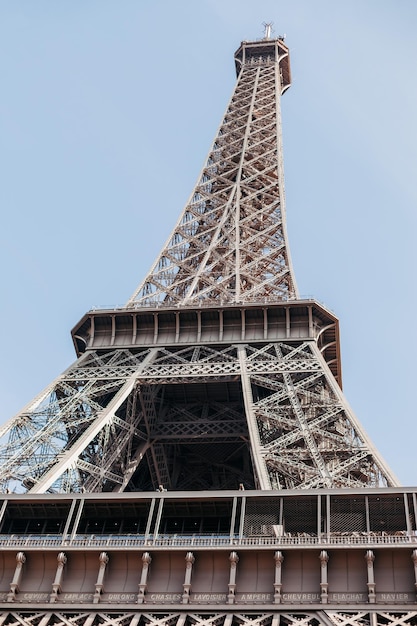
[172, 618]
[230, 243]
[74, 426]
[269, 415]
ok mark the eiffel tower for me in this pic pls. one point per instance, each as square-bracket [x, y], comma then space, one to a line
[198, 463]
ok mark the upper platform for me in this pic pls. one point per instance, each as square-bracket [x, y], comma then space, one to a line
[294, 321]
[265, 51]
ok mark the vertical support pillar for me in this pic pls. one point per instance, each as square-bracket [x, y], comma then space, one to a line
[328, 515]
[415, 507]
[77, 520]
[198, 326]
[265, 312]
[113, 329]
[92, 331]
[221, 325]
[146, 561]
[278, 557]
[189, 561]
[243, 324]
[281, 512]
[177, 326]
[242, 518]
[234, 560]
[407, 514]
[233, 520]
[414, 558]
[57, 584]
[149, 521]
[319, 517]
[287, 323]
[370, 558]
[103, 560]
[158, 520]
[68, 520]
[310, 323]
[3, 509]
[17, 577]
[324, 587]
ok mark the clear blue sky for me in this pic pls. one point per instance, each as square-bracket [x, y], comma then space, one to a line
[107, 111]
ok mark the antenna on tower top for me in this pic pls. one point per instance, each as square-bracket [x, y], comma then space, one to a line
[268, 29]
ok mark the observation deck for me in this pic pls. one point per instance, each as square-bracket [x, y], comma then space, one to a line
[243, 550]
[212, 324]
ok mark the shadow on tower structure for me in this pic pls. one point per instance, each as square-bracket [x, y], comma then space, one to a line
[199, 463]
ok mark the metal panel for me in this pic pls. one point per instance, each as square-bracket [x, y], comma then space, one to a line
[210, 573]
[394, 575]
[123, 572]
[347, 576]
[166, 573]
[80, 573]
[301, 575]
[255, 573]
[7, 569]
[38, 573]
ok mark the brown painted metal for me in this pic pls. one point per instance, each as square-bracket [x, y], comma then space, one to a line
[301, 319]
[215, 374]
[325, 552]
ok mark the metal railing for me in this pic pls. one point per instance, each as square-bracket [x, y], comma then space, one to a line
[186, 541]
[132, 308]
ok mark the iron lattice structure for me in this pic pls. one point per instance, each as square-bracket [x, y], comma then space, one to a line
[197, 417]
[206, 407]
[230, 243]
[215, 375]
[320, 618]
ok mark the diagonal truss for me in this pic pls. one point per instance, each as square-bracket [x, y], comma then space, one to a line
[269, 416]
[143, 618]
[80, 428]
[230, 243]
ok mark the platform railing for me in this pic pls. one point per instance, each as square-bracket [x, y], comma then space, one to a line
[200, 540]
[206, 303]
